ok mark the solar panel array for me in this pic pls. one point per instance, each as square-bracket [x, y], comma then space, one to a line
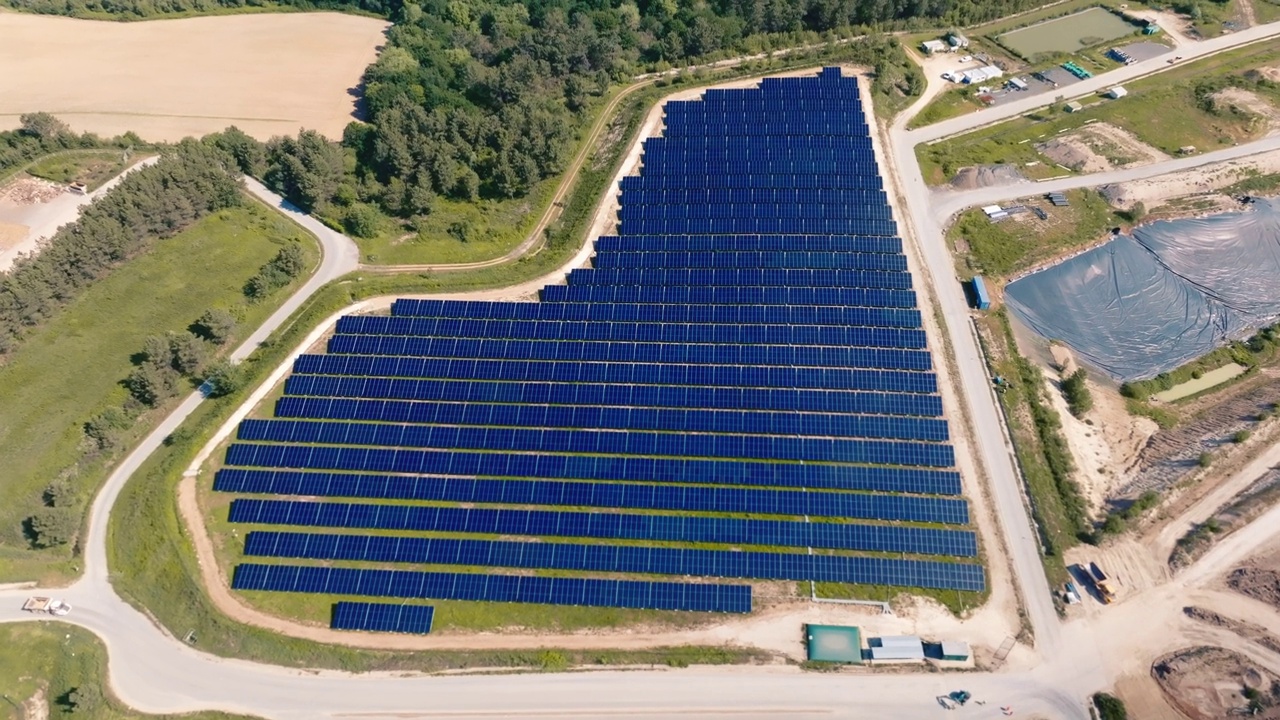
[382, 617]
[742, 368]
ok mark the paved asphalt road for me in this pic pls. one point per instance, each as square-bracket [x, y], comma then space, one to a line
[157, 673]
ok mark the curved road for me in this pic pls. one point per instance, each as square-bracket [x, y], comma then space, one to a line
[157, 673]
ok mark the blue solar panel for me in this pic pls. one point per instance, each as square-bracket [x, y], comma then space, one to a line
[747, 343]
[779, 533]
[596, 494]
[380, 617]
[861, 570]
[491, 588]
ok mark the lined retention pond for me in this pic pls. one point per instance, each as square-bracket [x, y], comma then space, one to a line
[1067, 34]
[1143, 304]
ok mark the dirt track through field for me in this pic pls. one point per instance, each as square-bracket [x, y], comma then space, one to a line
[267, 74]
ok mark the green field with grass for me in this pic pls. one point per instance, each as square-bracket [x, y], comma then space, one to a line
[1168, 111]
[1022, 242]
[71, 368]
[56, 669]
[91, 167]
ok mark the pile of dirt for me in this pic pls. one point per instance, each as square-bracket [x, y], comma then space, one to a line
[980, 176]
[1259, 583]
[1241, 101]
[1206, 683]
[1069, 152]
[1247, 630]
[30, 191]
[1099, 147]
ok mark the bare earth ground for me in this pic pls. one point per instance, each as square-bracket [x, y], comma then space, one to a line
[268, 74]
[1099, 147]
[11, 234]
[1258, 578]
[1207, 682]
[1250, 103]
[1159, 190]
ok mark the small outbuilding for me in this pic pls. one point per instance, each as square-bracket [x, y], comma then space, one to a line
[955, 651]
[834, 643]
[1117, 92]
[957, 40]
[933, 47]
[897, 647]
[1073, 106]
[1018, 83]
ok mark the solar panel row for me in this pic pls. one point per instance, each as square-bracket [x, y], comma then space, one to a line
[608, 526]
[760, 226]
[700, 179]
[736, 259]
[808, 503]
[494, 588]
[617, 418]
[380, 617]
[470, 333]
[785, 277]
[617, 558]
[673, 353]
[745, 376]
[824, 401]
[638, 312]
[600, 442]
[586, 467]
[740, 243]
[854, 299]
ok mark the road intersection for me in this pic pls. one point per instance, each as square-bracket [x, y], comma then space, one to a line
[155, 672]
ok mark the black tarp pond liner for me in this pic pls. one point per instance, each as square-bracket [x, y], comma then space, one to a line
[1138, 306]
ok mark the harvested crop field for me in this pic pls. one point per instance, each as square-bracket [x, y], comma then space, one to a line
[268, 74]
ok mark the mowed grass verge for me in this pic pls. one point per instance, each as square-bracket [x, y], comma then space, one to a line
[70, 369]
[54, 659]
[91, 167]
[1162, 110]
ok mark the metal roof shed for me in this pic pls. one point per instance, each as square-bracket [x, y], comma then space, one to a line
[834, 643]
[897, 647]
[955, 650]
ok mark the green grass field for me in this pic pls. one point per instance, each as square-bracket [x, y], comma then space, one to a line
[70, 369]
[91, 167]
[1020, 243]
[42, 663]
[1161, 110]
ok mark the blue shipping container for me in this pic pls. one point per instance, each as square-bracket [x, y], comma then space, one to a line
[980, 295]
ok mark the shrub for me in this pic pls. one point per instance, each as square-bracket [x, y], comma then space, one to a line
[1240, 436]
[1205, 459]
[215, 325]
[1110, 707]
[51, 527]
[1076, 390]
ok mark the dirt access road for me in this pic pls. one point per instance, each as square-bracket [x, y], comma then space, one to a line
[267, 74]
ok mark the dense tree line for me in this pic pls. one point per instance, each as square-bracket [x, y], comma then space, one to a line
[156, 202]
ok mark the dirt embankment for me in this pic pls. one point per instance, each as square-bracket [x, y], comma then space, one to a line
[1259, 583]
[1209, 683]
[1099, 147]
[1247, 630]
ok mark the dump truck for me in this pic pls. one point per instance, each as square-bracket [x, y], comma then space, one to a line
[46, 605]
[1102, 582]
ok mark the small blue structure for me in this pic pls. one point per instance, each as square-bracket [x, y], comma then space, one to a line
[980, 296]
